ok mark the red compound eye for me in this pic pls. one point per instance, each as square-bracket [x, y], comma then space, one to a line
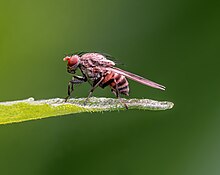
[71, 60]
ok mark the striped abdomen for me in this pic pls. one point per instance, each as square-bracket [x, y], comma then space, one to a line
[116, 81]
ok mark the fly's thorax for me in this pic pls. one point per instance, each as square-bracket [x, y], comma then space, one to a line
[93, 73]
[96, 59]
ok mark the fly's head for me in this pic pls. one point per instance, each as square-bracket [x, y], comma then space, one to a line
[73, 63]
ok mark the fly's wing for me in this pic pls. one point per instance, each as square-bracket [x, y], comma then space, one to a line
[137, 78]
[95, 60]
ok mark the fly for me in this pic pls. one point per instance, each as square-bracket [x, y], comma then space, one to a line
[99, 70]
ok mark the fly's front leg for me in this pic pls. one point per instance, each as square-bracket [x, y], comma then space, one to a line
[76, 80]
[71, 88]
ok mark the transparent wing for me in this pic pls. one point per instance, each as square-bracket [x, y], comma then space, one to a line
[137, 78]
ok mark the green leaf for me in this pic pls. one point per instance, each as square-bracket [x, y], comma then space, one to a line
[30, 109]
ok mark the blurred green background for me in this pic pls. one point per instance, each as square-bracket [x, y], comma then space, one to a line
[175, 43]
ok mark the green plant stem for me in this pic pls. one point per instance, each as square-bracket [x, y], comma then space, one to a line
[30, 109]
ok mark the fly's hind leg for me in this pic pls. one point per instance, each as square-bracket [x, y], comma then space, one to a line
[116, 92]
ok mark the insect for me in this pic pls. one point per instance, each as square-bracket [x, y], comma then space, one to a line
[99, 70]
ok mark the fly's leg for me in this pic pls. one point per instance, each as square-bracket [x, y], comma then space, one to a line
[71, 88]
[94, 86]
[76, 80]
[118, 95]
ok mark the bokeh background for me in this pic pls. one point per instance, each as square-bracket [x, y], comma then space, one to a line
[175, 43]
